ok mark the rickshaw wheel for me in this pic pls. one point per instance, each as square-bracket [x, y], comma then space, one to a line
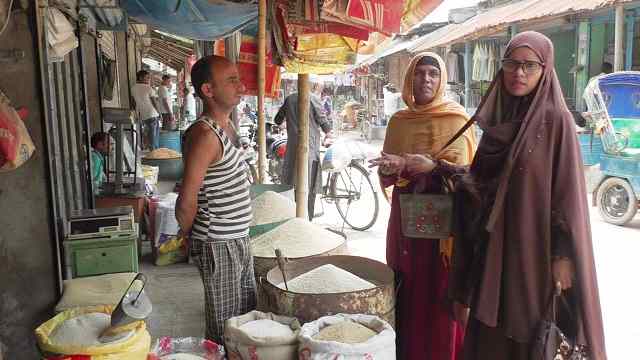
[616, 201]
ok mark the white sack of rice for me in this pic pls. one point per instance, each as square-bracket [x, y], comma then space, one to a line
[182, 356]
[327, 279]
[266, 328]
[346, 332]
[85, 330]
[270, 207]
[296, 238]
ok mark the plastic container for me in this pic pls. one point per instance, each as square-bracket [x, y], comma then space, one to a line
[378, 301]
[171, 140]
[169, 169]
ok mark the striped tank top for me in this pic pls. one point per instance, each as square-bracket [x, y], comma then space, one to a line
[224, 205]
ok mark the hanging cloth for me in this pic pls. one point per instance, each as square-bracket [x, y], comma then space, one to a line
[491, 62]
[476, 63]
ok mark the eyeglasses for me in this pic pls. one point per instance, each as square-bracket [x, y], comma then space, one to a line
[529, 67]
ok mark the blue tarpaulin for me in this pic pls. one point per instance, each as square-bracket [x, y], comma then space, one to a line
[194, 19]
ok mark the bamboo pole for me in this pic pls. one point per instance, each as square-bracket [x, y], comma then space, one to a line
[618, 63]
[262, 58]
[302, 152]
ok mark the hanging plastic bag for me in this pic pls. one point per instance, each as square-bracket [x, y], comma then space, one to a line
[16, 146]
[166, 346]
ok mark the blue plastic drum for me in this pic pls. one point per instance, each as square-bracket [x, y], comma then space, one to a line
[170, 140]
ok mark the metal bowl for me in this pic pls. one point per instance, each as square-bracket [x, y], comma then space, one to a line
[169, 169]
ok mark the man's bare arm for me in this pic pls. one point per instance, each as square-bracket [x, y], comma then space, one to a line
[202, 149]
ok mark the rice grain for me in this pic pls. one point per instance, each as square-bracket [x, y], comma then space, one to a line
[266, 328]
[296, 238]
[327, 279]
[85, 330]
[270, 207]
[346, 332]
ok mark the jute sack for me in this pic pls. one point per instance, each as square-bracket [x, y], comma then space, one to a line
[242, 346]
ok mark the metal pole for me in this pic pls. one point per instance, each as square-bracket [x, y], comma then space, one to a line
[119, 188]
[631, 22]
[302, 153]
[86, 120]
[513, 30]
[619, 42]
[262, 56]
[467, 75]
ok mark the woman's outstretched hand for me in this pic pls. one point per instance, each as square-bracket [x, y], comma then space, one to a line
[389, 164]
[418, 164]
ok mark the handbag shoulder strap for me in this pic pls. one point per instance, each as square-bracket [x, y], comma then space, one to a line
[552, 308]
[457, 135]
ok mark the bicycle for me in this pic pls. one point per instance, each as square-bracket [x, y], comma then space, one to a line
[349, 186]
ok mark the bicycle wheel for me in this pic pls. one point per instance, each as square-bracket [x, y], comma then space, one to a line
[355, 197]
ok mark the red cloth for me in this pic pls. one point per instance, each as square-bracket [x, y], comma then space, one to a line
[378, 15]
[425, 327]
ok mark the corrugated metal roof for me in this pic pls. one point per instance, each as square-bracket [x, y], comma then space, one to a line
[498, 19]
[398, 45]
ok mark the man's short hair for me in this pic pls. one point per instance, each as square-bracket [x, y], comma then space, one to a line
[140, 75]
[98, 138]
[165, 77]
[201, 72]
[606, 68]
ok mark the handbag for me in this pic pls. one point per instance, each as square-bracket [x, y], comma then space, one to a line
[430, 216]
[551, 343]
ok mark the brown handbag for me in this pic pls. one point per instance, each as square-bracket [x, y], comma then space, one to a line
[430, 216]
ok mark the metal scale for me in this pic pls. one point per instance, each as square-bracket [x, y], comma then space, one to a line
[126, 180]
[96, 241]
[133, 307]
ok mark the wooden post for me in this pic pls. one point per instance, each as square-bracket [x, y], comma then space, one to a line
[262, 58]
[619, 39]
[302, 153]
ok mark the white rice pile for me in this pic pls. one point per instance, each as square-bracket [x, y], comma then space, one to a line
[182, 356]
[270, 207]
[327, 279]
[346, 332]
[85, 330]
[296, 238]
[266, 328]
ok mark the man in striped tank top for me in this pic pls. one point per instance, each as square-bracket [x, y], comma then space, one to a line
[214, 207]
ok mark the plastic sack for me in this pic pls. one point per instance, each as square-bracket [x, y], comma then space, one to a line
[242, 346]
[167, 247]
[379, 347]
[166, 346]
[94, 290]
[16, 146]
[135, 347]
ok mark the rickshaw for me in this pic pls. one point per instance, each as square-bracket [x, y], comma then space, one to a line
[613, 102]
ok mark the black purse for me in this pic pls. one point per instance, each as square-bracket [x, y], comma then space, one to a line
[551, 343]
